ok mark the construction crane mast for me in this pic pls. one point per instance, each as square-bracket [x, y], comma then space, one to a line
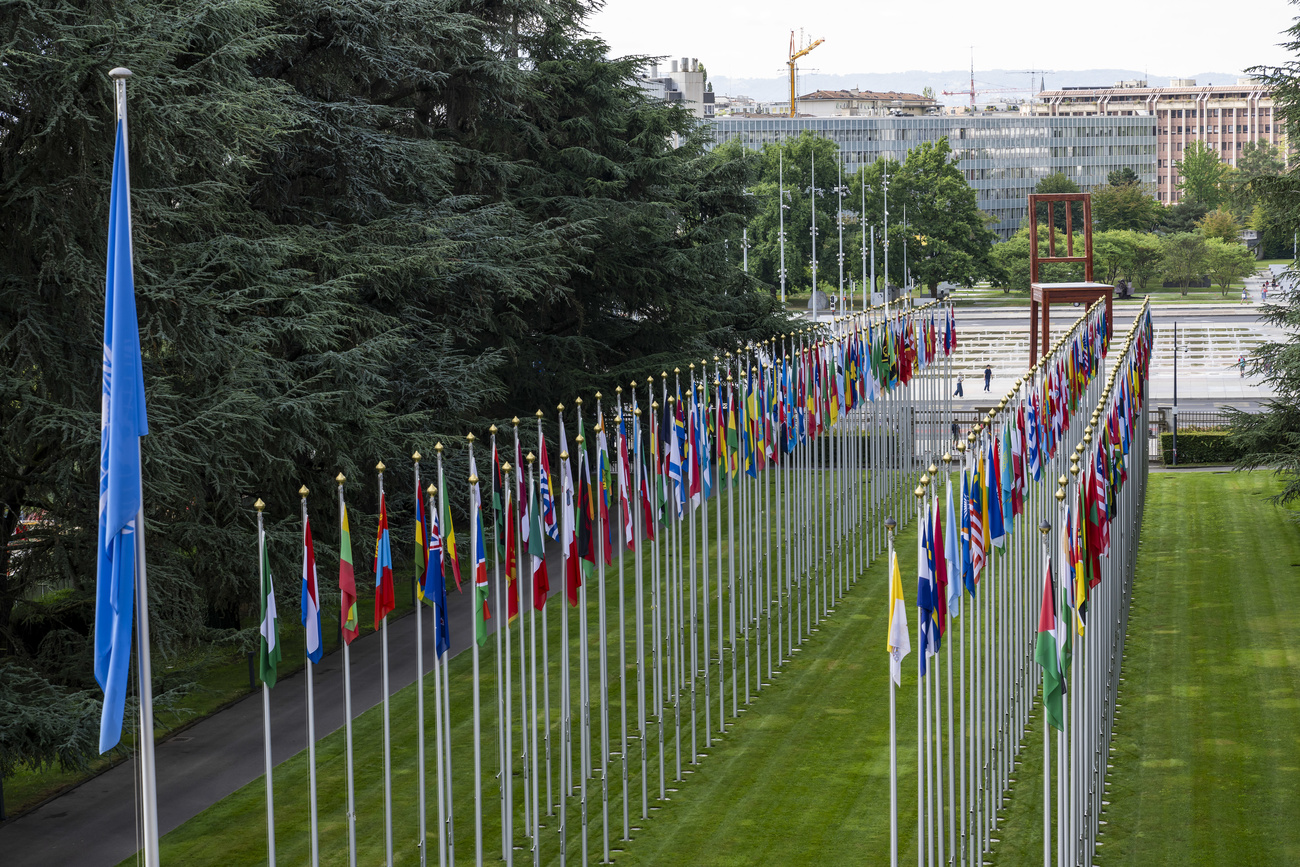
[795, 54]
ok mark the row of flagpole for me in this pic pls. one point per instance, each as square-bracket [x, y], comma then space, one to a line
[800, 445]
[1009, 469]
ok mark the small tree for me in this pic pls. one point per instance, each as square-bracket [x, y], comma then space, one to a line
[1202, 175]
[1122, 177]
[1148, 257]
[1184, 258]
[1113, 252]
[1221, 225]
[1226, 261]
[1124, 207]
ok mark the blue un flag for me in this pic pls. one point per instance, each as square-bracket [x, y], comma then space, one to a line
[122, 426]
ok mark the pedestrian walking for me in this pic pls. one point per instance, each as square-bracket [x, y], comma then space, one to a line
[1245, 295]
[988, 377]
[959, 391]
[956, 432]
[1263, 294]
[1241, 365]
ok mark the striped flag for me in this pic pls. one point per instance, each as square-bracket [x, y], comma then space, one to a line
[1047, 652]
[347, 579]
[310, 596]
[481, 613]
[536, 543]
[573, 576]
[435, 587]
[385, 600]
[268, 656]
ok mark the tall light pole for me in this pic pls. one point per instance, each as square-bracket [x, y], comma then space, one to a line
[781, 206]
[812, 194]
[864, 245]
[885, 184]
[840, 189]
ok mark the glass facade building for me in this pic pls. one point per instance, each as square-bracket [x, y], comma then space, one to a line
[1002, 155]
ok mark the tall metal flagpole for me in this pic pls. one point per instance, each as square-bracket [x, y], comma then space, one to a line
[566, 700]
[310, 676]
[437, 705]
[532, 670]
[446, 684]
[347, 715]
[885, 238]
[546, 647]
[478, 740]
[505, 694]
[419, 676]
[144, 672]
[388, 749]
[266, 707]
[602, 535]
[890, 525]
[620, 437]
[863, 218]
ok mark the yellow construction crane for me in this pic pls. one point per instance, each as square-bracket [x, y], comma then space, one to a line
[795, 54]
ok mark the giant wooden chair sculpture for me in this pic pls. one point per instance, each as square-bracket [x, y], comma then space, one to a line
[1043, 295]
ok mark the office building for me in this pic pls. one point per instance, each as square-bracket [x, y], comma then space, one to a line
[1223, 116]
[683, 83]
[1002, 154]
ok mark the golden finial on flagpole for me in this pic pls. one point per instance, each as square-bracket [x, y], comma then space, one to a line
[416, 457]
[530, 458]
[380, 466]
[259, 505]
[302, 492]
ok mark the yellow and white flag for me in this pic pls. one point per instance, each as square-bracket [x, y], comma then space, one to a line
[900, 641]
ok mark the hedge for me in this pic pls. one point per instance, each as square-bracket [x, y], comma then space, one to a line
[1200, 447]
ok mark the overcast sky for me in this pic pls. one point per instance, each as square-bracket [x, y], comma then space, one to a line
[752, 38]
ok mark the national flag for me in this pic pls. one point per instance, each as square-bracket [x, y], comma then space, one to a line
[900, 642]
[967, 534]
[481, 613]
[268, 656]
[549, 521]
[310, 602]
[122, 423]
[385, 600]
[435, 587]
[449, 542]
[573, 573]
[940, 561]
[512, 557]
[420, 555]
[951, 553]
[927, 627]
[978, 522]
[536, 542]
[347, 580]
[603, 480]
[1047, 652]
[1031, 437]
[624, 485]
[993, 497]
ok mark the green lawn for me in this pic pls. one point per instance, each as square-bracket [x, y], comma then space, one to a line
[207, 839]
[1207, 741]
[1207, 749]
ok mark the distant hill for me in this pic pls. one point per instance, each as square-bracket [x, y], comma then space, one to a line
[913, 81]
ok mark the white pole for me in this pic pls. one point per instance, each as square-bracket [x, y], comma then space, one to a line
[812, 197]
[893, 721]
[266, 711]
[309, 676]
[144, 672]
[388, 749]
[437, 715]
[347, 720]
[478, 727]
[419, 680]
[446, 686]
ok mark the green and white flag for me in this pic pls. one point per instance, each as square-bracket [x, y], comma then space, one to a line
[1047, 652]
[269, 654]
